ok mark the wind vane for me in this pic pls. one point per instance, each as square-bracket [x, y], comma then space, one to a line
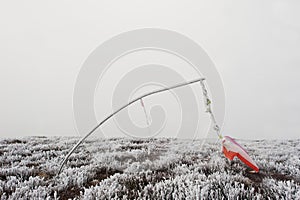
[230, 147]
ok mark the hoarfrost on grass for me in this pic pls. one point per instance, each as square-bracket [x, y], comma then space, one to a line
[146, 169]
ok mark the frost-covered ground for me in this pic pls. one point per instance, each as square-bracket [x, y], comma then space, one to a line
[146, 169]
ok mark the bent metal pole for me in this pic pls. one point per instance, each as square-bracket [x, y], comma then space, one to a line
[118, 110]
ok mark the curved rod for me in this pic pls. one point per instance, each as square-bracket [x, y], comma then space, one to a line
[121, 108]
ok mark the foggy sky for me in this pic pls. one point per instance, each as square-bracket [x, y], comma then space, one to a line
[255, 46]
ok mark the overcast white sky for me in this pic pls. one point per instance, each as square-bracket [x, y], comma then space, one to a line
[254, 44]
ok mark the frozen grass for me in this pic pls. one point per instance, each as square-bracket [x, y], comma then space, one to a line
[146, 169]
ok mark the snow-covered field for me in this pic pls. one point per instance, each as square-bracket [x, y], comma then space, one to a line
[146, 169]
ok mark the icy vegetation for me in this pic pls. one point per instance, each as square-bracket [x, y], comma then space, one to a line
[146, 169]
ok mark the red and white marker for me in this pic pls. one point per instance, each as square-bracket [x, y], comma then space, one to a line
[231, 149]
